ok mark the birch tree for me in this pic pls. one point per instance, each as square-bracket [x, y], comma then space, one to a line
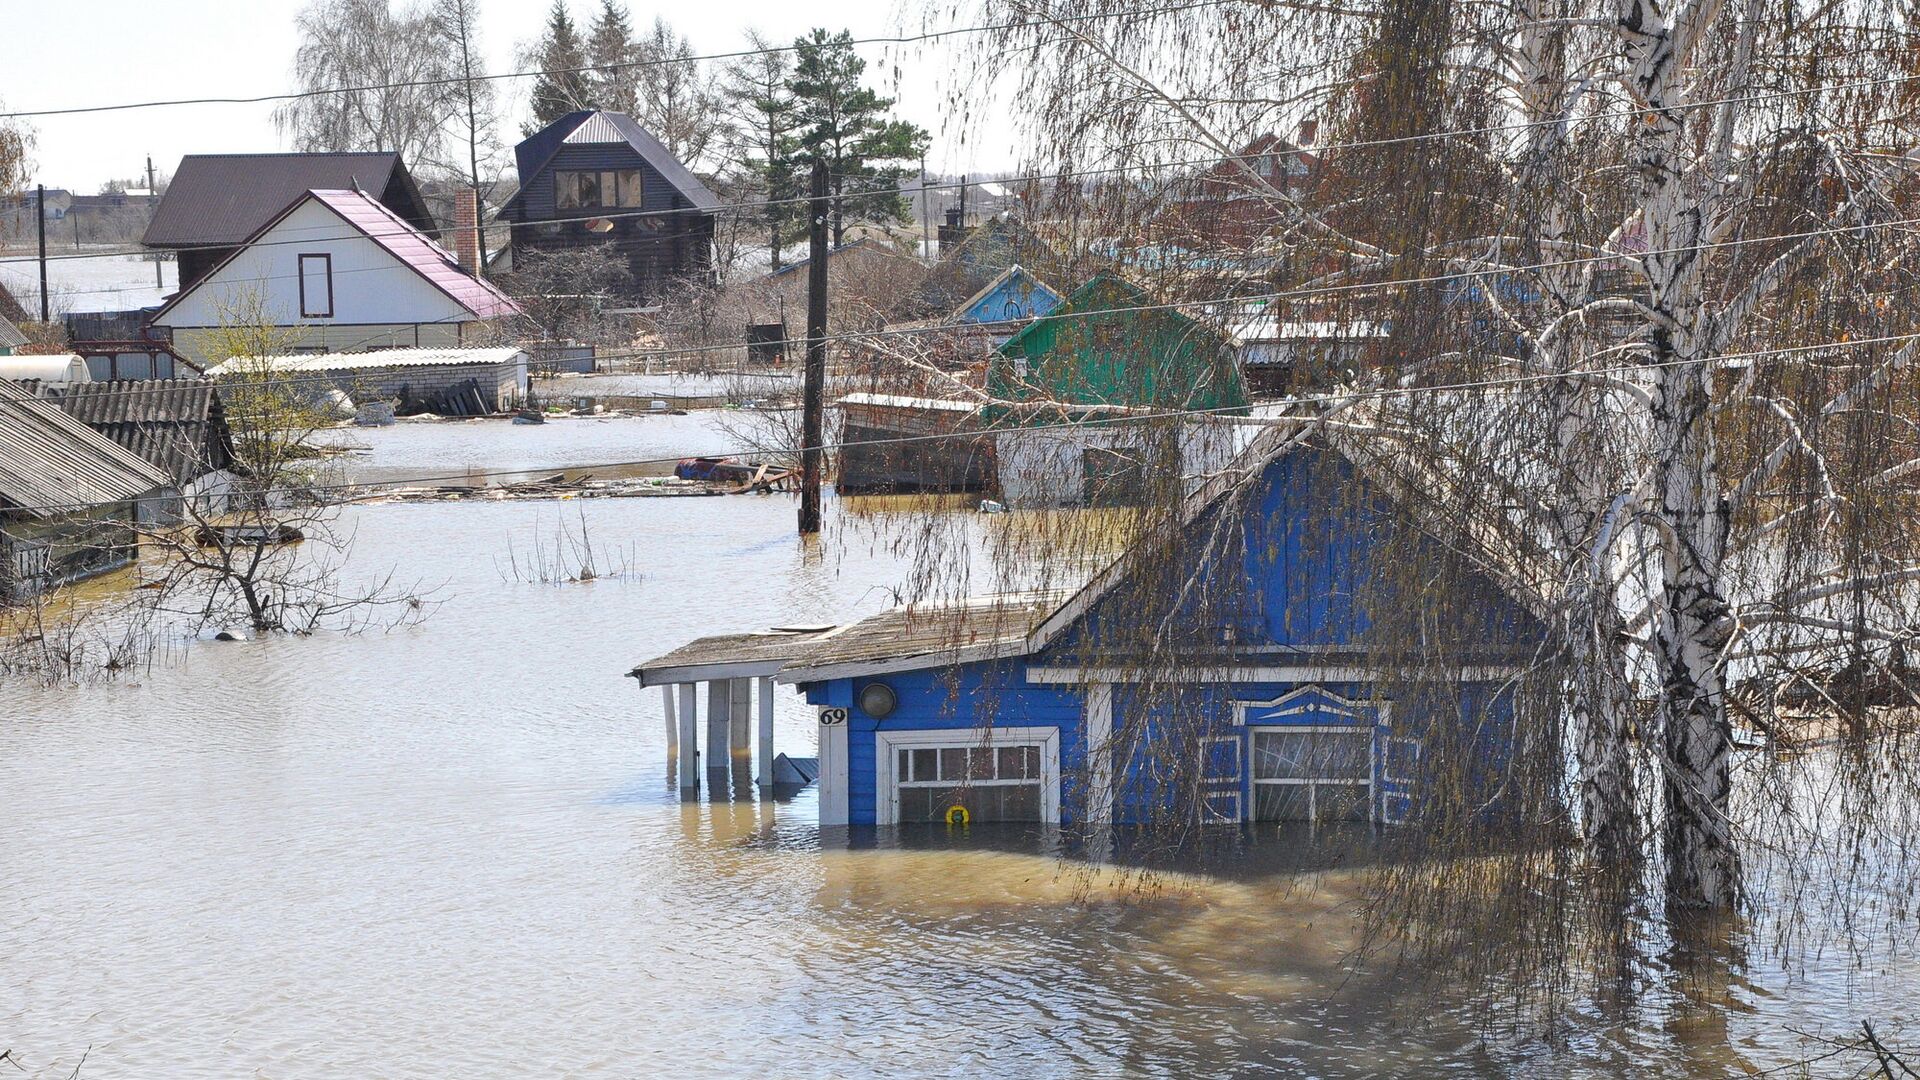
[1643, 268]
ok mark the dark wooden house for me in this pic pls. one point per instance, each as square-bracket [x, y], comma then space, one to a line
[217, 201]
[596, 178]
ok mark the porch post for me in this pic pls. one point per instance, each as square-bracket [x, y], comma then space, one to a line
[673, 723]
[1099, 732]
[689, 739]
[740, 714]
[833, 766]
[765, 746]
[719, 728]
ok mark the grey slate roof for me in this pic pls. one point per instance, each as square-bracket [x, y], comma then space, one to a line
[219, 200]
[603, 128]
[10, 335]
[176, 424]
[51, 463]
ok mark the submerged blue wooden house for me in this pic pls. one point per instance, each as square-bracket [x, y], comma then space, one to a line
[1266, 701]
[1007, 303]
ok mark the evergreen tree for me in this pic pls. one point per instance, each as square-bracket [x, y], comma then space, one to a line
[610, 49]
[846, 125]
[763, 112]
[563, 87]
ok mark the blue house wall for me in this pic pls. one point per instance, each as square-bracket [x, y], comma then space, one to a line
[1016, 298]
[1314, 529]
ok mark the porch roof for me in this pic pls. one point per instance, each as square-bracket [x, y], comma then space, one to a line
[729, 656]
[912, 637]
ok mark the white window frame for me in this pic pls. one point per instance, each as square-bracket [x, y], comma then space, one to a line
[1373, 716]
[1310, 782]
[887, 744]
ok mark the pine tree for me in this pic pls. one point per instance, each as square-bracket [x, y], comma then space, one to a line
[563, 87]
[765, 123]
[846, 125]
[611, 49]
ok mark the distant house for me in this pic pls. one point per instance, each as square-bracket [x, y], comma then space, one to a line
[1049, 708]
[1067, 385]
[1007, 303]
[457, 382]
[216, 202]
[599, 179]
[69, 496]
[987, 251]
[177, 425]
[867, 282]
[1230, 204]
[333, 271]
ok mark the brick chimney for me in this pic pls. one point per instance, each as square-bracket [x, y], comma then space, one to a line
[466, 230]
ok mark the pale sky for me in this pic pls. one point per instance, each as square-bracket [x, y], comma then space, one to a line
[95, 52]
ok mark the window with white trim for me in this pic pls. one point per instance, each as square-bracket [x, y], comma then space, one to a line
[1313, 773]
[994, 783]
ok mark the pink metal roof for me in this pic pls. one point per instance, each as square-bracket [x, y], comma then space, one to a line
[413, 247]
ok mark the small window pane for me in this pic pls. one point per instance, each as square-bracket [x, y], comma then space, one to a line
[916, 804]
[904, 770]
[1013, 762]
[162, 366]
[980, 763]
[589, 187]
[953, 763]
[566, 190]
[633, 191]
[923, 765]
[609, 189]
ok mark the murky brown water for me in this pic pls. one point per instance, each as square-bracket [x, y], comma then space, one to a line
[455, 850]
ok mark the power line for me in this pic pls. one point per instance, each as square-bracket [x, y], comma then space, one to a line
[903, 39]
[1065, 174]
[1339, 397]
[666, 352]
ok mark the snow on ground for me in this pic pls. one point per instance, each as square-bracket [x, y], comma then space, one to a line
[101, 283]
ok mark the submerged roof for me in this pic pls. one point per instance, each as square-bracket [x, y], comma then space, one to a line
[912, 636]
[729, 656]
[176, 424]
[51, 463]
[599, 127]
[221, 199]
[356, 361]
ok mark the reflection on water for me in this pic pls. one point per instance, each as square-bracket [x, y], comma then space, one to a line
[458, 850]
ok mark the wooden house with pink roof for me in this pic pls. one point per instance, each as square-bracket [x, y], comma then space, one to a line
[335, 271]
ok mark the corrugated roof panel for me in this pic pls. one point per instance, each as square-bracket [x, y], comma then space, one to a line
[51, 463]
[414, 248]
[165, 421]
[220, 199]
[378, 358]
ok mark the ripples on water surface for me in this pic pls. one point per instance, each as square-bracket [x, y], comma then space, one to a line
[454, 850]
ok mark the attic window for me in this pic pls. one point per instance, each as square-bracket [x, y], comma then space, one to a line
[316, 286]
[577, 189]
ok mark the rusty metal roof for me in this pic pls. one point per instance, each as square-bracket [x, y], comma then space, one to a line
[51, 463]
[920, 636]
[728, 656]
[176, 424]
[218, 200]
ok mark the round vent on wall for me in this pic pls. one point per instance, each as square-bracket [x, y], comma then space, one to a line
[878, 700]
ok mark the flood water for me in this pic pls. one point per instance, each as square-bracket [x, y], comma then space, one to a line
[455, 850]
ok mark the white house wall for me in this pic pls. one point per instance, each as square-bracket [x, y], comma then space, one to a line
[370, 286]
[1041, 467]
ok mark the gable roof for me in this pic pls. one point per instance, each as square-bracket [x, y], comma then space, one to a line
[176, 424]
[599, 127]
[222, 199]
[916, 636]
[989, 249]
[50, 462]
[1515, 565]
[1010, 273]
[397, 237]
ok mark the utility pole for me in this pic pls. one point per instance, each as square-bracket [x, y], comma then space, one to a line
[153, 198]
[41, 199]
[812, 454]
